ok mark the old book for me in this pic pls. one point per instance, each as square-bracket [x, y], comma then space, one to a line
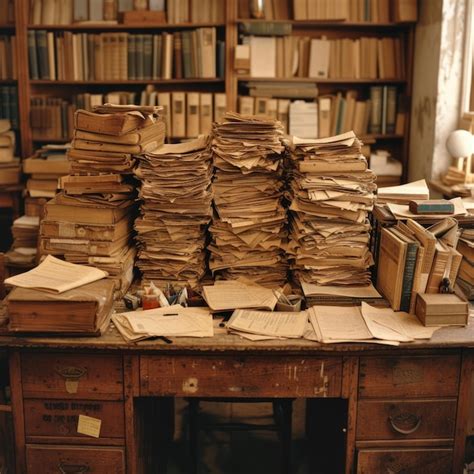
[262, 56]
[442, 310]
[438, 269]
[392, 258]
[164, 100]
[81, 311]
[108, 124]
[178, 100]
[376, 109]
[319, 58]
[205, 113]
[152, 143]
[192, 114]
[220, 106]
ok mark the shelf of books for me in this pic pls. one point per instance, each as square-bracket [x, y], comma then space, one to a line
[320, 69]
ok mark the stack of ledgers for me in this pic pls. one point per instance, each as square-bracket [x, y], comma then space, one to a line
[9, 165]
[248, 232]
[90, 221]
[176, 209]
[332, 192]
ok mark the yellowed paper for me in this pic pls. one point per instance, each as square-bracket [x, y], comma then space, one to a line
[89, 426]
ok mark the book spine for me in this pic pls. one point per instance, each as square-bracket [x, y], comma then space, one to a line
[13, 103]
[187, 63]
[42, 47]
[391, 109]
[147, 56]
[132, 54]
[266, 28]
[32, 55]
[376, 109]
[408, 276]
[139, 57]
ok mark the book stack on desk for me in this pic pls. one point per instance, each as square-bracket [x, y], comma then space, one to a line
[466, 271]
[248, 232]
[22, 253]
[332, 192]
[176, 208]
[90, 221]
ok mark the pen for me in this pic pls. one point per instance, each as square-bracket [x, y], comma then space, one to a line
[170, 314]
[165, 339]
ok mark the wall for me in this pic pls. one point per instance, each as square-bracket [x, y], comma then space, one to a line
[436, 93]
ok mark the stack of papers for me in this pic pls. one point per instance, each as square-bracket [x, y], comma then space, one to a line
[366, 323]
[175, 212]
[262, 325]
[417, 190]
[339, 295]
[25, 232]
[229, 295]
[172, 321]
[332, 192]
[248, 234]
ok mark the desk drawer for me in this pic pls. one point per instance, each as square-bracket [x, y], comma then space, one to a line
[408, 461]
[74, 460]
[58, 418]
[382, 420]
[409, 376]
[248, 376]
[72, 376]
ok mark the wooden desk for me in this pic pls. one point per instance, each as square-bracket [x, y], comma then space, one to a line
[407, 406]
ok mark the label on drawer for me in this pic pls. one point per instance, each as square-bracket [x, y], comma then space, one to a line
[89, 426]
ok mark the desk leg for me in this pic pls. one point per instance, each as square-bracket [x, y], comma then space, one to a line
[465, 401]
[131, 390]
[17, 411]
[350, 380]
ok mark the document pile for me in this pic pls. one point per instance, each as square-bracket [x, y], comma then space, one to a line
[332, 192]
[170, 321]
[10, 168]
[366, 324]
[339, 295]
[262, 325]
[417, 190]
[227, 295]
[60, 297]
[90, 221]
[248, 232]
[176, 208]
[25, 232]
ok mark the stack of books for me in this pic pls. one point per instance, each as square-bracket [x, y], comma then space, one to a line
[9, 165]
[9, 105]
[44, 168]
[124, 56]
[248, 232]
[387, 168]
[90, 221]
[24, 248]
[176, 208]
[332, 193]
[466, 271]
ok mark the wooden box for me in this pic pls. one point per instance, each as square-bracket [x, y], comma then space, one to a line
[439, 309]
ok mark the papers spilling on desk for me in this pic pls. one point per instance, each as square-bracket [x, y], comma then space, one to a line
[172, 321]
[332, 192]
[89, 222]
[175, 212]
[366, 324]
[248, 232]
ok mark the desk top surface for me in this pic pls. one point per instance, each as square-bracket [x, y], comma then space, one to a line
[444, 338]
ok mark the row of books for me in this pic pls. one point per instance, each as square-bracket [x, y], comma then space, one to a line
[7, 57]
[187, 114]
[7, 11]
[123, 56]
[333, 114]
[66, 12]
[9, 105]
[302, 56]
[375, 11]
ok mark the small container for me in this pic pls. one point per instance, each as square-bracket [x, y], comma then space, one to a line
[150, 302]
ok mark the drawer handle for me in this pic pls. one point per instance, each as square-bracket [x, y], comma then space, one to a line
[416, 420]
[69, 373]
[72, 468]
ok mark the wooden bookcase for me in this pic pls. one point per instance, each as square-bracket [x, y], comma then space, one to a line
[232, 83]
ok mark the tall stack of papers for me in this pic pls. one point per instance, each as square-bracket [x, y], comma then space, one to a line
[175, 212]
[332, 193]
[90, 221]
[248, 232]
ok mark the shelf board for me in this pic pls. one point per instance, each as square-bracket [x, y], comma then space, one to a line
[321, 81]
[380, 136]
[6, 408]
[8, 81]
[332, 23]
[46, 82]
[122, 27]
[7, 26]
[51, 140]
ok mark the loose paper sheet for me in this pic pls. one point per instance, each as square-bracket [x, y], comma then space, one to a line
[57, 276]
[89, 426]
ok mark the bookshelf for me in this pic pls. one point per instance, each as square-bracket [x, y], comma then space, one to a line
[232, 83]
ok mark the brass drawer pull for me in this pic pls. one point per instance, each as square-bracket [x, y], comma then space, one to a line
[73, 373]
[72, 468]
[404, 419]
